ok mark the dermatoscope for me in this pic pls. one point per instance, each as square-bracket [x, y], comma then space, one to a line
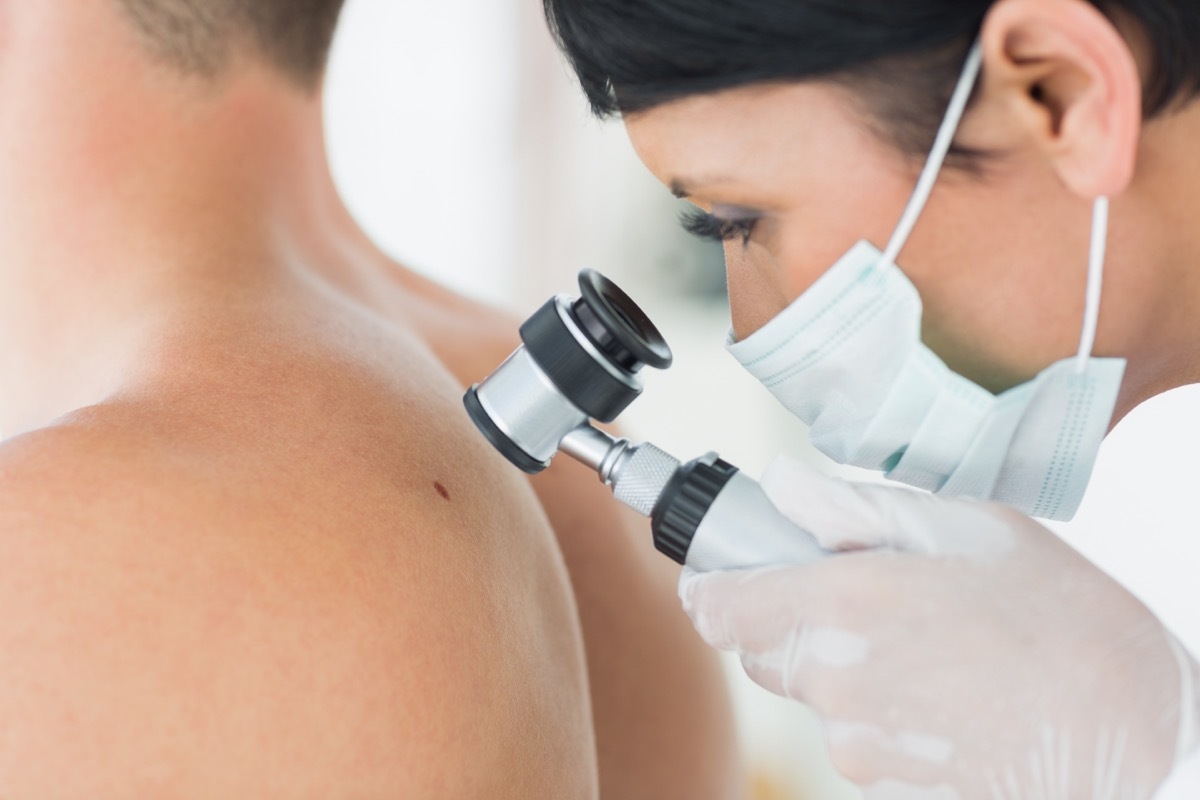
[580, 360]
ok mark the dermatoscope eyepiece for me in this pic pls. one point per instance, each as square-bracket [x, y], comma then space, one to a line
[618, 326]
[580, 360]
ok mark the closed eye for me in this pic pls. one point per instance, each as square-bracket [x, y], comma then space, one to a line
[717, 229]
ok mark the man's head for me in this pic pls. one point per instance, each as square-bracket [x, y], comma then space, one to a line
[202, 36]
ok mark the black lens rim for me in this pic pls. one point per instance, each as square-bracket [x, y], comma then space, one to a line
[571, 364]
[498, 438]
[629, 330]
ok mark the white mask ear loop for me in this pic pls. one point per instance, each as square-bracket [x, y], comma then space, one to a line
[1091, 313]
[933, 167]
[937, 156]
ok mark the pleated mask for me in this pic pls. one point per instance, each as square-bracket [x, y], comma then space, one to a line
[847, 359]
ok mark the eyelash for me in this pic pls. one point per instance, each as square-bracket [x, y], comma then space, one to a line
[706, 226]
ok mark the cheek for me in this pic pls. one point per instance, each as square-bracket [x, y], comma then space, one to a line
[841, 207]
[757, 287]
[1002, 277]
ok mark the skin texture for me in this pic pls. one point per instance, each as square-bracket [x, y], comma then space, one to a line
[999, 256]
[251, 544]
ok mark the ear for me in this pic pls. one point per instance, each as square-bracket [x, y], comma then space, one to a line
[1071, 80]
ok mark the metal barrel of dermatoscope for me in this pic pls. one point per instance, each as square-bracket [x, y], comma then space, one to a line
[580, 360]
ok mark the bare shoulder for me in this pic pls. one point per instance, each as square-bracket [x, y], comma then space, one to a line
[192, 613]
[663, 731]
[469, 337]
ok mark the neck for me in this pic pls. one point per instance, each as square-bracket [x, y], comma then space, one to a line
[1162, 269]
[125, 198]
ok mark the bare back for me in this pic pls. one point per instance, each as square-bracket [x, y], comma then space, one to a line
[280, 563]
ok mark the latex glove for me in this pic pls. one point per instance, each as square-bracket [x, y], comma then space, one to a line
[969, 653]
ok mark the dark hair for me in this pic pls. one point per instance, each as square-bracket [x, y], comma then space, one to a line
[198, 36]
[904, 55]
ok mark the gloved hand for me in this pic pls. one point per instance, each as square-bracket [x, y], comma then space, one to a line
[956, 649]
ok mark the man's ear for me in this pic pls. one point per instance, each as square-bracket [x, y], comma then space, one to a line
[1071, 80]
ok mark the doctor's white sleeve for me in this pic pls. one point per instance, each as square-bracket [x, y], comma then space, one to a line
[1184, 783]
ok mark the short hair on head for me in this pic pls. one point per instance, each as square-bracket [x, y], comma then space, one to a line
[200, 36]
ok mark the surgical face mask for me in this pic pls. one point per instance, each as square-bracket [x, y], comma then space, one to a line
[847, 359]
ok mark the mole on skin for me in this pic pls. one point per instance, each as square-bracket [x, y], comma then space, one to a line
[442, 491]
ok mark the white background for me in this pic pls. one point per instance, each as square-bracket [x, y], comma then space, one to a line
[465, 150]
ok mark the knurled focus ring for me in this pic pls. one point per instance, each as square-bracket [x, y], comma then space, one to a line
[643, 478]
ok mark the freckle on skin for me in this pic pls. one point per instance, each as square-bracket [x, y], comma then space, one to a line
[442, 490]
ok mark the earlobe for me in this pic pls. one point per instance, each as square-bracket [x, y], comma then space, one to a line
[1072, 80]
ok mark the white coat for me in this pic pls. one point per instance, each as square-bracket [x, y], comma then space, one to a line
[1184, 783]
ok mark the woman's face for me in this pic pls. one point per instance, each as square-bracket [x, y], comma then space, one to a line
[999, 257]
